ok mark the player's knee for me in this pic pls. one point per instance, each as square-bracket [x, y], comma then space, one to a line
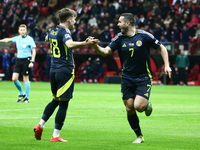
[14, 79]
[130, 110]
[140, 108]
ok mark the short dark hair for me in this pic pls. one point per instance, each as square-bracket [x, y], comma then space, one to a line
[66, 13]
[129, 17]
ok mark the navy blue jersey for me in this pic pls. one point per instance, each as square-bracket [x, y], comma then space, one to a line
[134, 54]
[62, 57]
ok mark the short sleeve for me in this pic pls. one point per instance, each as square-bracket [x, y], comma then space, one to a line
[153, 42]
[33, 44]
[114, 45]
[14, 39]
[66, 36]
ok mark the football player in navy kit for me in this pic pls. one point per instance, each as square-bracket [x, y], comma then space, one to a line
[133, 46]
[62, 71]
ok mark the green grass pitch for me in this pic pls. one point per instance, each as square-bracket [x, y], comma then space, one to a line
[96, 119]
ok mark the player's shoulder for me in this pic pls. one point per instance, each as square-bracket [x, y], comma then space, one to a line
[119, 35]
[144, 33]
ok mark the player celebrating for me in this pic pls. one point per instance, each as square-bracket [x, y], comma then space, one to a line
[25, 60]
[62, 71]
[133, 46]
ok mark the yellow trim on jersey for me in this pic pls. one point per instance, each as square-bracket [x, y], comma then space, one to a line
[65, 47]
[148, 71]
[65, 86]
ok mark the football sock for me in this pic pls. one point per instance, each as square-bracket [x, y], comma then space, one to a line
[56, 133]
[19, 87]
[61, 114]
[48, 111]
[27, 88]
[42, 123]
[134, 123]
[146, 106]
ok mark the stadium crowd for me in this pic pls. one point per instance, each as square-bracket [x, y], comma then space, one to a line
[168, 20]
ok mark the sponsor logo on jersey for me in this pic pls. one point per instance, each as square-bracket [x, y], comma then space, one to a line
[139, 43]
[67, 36]
[124, 45]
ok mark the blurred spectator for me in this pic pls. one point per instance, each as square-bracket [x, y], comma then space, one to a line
[167, 32]
[51, 5]
[105, 35]
[13, 60]
[87, 71]
[176, 33]
[147, 6]
[48, 63]
[98, 69]
[165, 9]
[182, 64]
[6, 63]
[50, 25]
[111, 10]
[4, 28]
[43, 24]
[54, 19]
[156, 9]
[185, 36]
[31, 20]
[25, 17]
[34, 32]
[43, 3]
[42, 35]
[198, 31]
[163, 39]
[194, 21]
[157, 31]
[168, 20]
[142, 21]
[92, 21]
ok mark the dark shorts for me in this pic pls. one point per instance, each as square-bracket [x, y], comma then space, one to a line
[62, 84]
[131, 89]
[21, 65]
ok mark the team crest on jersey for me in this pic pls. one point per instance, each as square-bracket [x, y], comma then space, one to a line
[67, 35]
[131, 44]
[139, 43]
[24, 45]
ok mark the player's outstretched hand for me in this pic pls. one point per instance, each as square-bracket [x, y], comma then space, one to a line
[168, 71]
[91, 41]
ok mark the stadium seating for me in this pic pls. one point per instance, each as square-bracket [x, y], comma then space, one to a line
[193, 75]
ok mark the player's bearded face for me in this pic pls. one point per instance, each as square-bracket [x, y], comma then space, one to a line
[122, 25]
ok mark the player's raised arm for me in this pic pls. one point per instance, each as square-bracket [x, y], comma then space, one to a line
[102, 51]
[164, 54]
[73, 44]
[5, 40]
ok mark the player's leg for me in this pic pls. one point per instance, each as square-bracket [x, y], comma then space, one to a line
[65, 93]
[49, 109]
[133, 119]
[59, 120]
[141, 102]
[128, 91]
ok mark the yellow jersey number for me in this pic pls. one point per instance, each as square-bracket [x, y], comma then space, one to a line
[131, 49]
[54, 47]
